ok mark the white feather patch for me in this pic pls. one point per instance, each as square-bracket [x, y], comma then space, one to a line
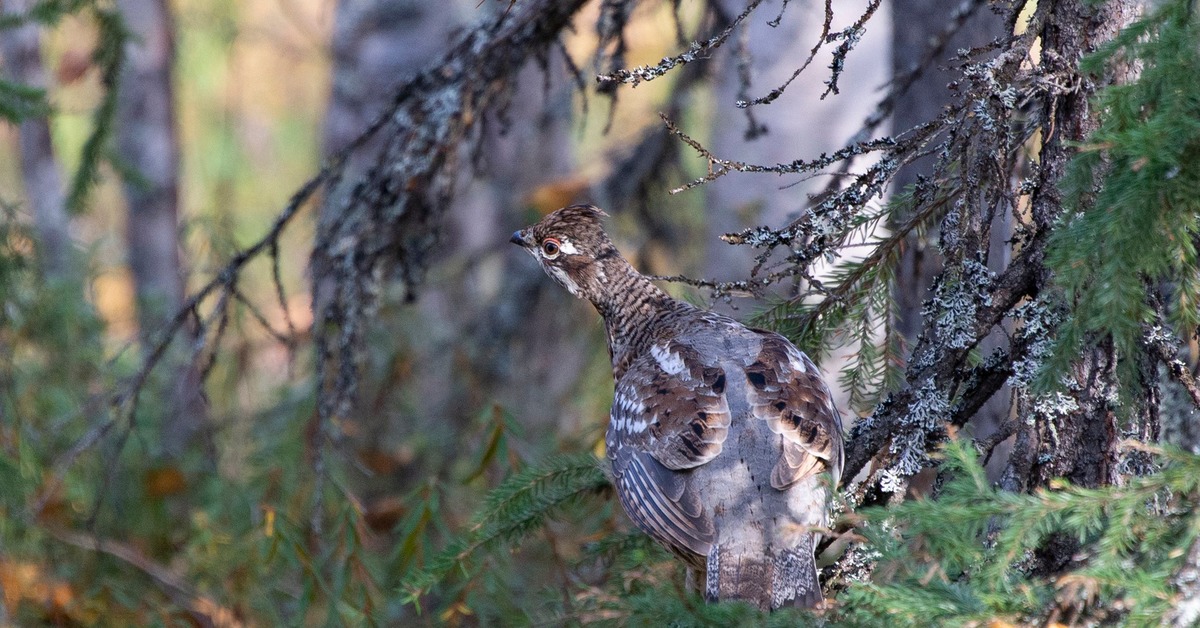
[564, 279]
[628, 405]
[568, 247]
[670, 363]
[796, 359]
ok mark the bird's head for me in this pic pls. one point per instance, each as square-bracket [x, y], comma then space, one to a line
[573, 249]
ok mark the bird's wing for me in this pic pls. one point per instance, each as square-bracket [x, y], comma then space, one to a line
[671, 404]
[786, 390]
[669, 415]
[661, 503]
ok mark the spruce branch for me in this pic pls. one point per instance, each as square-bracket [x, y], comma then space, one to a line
[110, 58]
[518, 507]
[1146, 150]
[962, 557]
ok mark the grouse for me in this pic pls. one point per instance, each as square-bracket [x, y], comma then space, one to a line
[724, 441]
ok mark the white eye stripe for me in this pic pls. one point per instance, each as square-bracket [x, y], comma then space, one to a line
[566, 246]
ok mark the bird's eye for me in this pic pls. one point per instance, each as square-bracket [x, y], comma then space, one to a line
[550, 248]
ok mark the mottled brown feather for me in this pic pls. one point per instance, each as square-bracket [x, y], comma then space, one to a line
[786, 391]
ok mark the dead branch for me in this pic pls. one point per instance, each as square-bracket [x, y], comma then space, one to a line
[203, 609]
[698, 50]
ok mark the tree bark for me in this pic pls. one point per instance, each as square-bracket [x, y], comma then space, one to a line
[148, 144]
[1073, 433]
[40, 171]
[1074, 436]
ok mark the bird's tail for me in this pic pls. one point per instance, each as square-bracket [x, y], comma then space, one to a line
[769, 579]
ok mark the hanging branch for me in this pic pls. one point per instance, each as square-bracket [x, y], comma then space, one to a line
[698, 50]
[123, 401]
[386, 227]
[812, 54]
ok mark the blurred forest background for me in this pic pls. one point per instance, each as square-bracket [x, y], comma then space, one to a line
[267, 358]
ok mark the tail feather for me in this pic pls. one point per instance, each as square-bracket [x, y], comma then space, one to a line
[767, 579]
[794, 580]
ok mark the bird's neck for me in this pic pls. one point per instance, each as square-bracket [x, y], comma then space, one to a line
[633, 309]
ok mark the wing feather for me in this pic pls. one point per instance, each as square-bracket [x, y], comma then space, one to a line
[678, 522]
[669, 416]
[672, 404]
[787, 392]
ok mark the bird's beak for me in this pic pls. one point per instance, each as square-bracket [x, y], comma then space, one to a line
[518, 238]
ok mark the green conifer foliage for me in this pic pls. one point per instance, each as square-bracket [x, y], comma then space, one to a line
[1134, 190]
[963, 557]
[519, 506]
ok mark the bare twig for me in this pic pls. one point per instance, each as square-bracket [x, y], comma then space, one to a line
[821, 39]
[698, 50]
[718, 167]
[850, 37]
[987, 445]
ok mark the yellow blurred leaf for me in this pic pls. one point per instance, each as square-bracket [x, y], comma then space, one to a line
[269, 521]
[550, 196]
[26, 582]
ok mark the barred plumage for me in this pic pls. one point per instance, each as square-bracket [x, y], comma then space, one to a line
[724, 440]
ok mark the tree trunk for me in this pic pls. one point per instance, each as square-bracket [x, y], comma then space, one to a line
[21, 48]
[1074, 433]
[147, 143]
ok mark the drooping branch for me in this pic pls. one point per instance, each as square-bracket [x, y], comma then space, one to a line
[387, 226]
[122, 402]
[696, 51]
